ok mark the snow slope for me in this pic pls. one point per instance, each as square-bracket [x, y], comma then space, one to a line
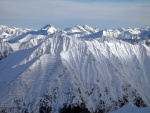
[129, 108]
[78, 69]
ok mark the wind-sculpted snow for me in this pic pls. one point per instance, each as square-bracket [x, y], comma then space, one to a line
[78, 69]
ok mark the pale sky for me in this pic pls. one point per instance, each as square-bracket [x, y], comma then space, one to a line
[100, 14]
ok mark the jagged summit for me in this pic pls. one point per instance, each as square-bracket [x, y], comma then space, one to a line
[50, 29]
[46, 27]
[78, 69]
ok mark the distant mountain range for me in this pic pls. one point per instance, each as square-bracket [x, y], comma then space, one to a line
[76, 70]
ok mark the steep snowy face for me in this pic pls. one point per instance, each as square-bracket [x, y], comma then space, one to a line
[110, 74]
[59, 72]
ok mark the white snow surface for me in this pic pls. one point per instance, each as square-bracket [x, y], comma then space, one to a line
[130, 108]
[102, 69]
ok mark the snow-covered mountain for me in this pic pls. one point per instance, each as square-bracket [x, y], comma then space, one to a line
[78, 69]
